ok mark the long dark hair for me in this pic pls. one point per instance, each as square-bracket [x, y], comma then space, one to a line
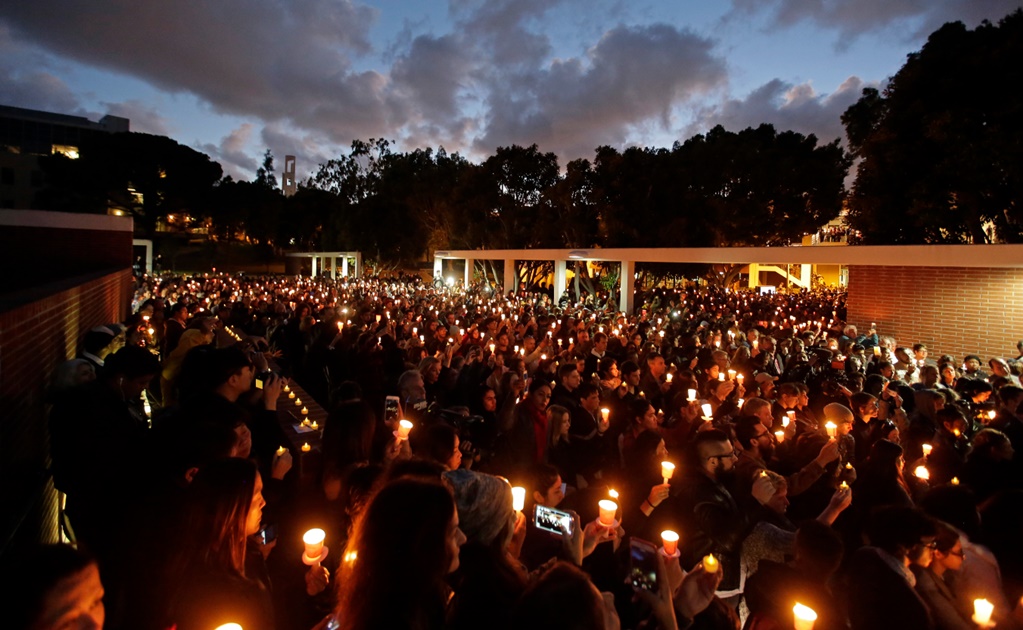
[398, 547]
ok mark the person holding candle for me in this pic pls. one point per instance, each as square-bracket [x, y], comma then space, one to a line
[214, 571]
[758, 449]
[406, 540]
[644, 488]
[988, 467]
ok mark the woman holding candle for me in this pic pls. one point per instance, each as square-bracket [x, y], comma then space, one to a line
[215, 571]
[405, 542]
[644, 488]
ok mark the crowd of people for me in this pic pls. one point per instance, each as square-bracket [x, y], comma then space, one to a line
[798, 460]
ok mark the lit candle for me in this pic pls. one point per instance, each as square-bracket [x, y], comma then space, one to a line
[229, 626]
[492, 348]
[991, 414]
[831, 428]
[721, 376]
[927, 449]
[607, 512]
[668, 376]
[605, 413]
[955, 481]
[291, 395]
[298, 402]
[404, 426]
[692, 395]
[314, 426]
[305, 411]
[313, 540]
[711, 564]
[518, 498]
[803, 617]
[612, 493]
[982, 610]
[843, 486]
[731, 375]
[848, 465]
[790, 416]
[708, 412]
[739, 378]
[739, 403]
[287, 389]
[922, 473]
[667, 470]
[306, 448]
[780, 436]
[281, 451]
[669, 540]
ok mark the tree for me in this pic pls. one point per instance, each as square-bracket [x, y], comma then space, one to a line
[939, 149]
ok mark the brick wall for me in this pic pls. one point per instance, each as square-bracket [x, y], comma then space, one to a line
[35, 337]
[955, 311]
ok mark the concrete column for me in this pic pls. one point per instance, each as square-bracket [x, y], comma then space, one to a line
[511, 277]
[754, 275]
[314, 266]
[469, 265]
[358, 264]
[560, 276]
[344, 265]
[438, 268]
[333, 268]
[627, 283]
[806, 275]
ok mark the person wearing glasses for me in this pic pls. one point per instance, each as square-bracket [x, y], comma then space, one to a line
[704, 508]
[946, 555]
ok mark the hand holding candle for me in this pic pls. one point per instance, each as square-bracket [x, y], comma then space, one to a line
[313, 540]
[711, 564]
[982, 610]
[404, 427]
[831, 428]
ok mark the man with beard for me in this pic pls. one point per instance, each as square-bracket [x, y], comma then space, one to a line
[707, 512]
[757, 454]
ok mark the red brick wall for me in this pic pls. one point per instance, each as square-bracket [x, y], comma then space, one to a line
[955, 311]
[35, 337]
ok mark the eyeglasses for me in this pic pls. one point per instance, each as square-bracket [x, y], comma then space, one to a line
[729, 455]
[958, 554]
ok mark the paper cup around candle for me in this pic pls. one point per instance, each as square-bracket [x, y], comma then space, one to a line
[692, 395]
[607, 509]
[313, 540]
[982, 610]
[604, 413]
[780, 436]
[306, 448]
[669, 540]
[721, 376]
[831, 428]
[927, 448]
[518, 498]
[668, 377]
[711, 564]
[667, 470]
[404, 426]
[708, 411]
[803, 617]
[739, 377]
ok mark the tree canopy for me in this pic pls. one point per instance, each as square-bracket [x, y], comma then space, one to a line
[940, 159]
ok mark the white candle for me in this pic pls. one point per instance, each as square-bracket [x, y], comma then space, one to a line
[313, 540]
[605, 413]
[669, 540]
[831, 428]
[982, 610]
[692, 395]
[607, 509]
[803, 617]
[668, 376]
[518, 498]
[708, 412]
[780, 436]
[922, 473]
[927, 449]
[404, 426]
[667, 470]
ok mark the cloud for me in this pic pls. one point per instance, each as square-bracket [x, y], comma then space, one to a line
[631, 77]
[788, 107]
[27, 78]
[144, 118]
[233, 153]
[914, 19]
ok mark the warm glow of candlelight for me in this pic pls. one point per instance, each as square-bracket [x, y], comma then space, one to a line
[708, 412]
[922, 473]
[955, 481]
[669, 540]
[667, 470]
[229, 626]
[780, 436]
[668, 377]
[982, 610]
[831, 428]
[605, 413]
[306, 448]
[692, 395]
[607, 512]
[518, 498]
[612, 493]
[313, 540]
[711, 564]
[281, 451]
[803, 617]
[305, 411]
[927, 448]
[404, 426]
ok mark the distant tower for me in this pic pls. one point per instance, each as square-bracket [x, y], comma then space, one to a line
[288, 183]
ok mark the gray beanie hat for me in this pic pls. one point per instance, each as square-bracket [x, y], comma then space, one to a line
[484, 504]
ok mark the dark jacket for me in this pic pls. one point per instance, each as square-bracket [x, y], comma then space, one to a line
[713, 523]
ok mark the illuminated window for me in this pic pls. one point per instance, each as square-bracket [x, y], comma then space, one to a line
[66, 150]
